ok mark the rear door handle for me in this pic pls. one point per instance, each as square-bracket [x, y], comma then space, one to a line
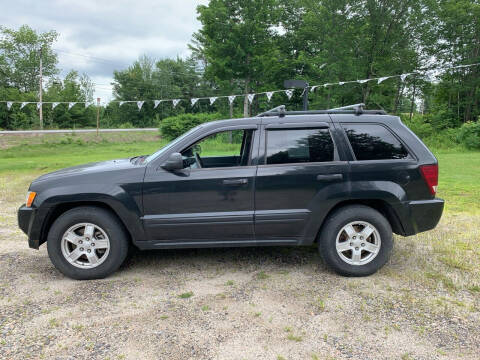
[235, 182]
[330, 177]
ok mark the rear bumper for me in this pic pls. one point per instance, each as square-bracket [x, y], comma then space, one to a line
[422, 215]
[27, 219]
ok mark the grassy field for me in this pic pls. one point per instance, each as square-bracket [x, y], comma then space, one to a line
[268, 303]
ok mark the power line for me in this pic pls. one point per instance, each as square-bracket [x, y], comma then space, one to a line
[102, 60]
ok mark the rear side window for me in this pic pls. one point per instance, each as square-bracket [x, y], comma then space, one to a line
[374, 142]
[299, 146]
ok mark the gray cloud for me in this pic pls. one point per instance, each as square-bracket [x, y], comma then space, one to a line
[97, 37]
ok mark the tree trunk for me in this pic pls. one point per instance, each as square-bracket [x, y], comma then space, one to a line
[413, 97]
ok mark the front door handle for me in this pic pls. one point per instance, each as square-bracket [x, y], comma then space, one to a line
[235, 182]
[330, 177]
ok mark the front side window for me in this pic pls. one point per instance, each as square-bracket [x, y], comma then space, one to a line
[374, 142]
[222, 149]
[299, 146]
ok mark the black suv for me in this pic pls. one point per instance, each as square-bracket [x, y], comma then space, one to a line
[344, 179]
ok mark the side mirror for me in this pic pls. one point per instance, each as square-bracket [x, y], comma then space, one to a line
[174, 162]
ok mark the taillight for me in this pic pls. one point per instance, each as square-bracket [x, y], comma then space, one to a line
[430, 175]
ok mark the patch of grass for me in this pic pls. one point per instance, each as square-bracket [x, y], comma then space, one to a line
[295, 338]
[53, 323]
[262, 275]
[445, 280]
[474, 288]
[229, 283]
[163, 317]
[458, 180]
[186, 295]
[205, 308]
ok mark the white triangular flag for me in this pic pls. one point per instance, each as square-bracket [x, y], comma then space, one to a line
[250, 97]
[23, 104]
[382, 79]
[327, 84]
[289, 93]
[212, 100]
[87, 104]
[404, 76]
[121, 103]
[39, 104]
[175, 102]
[312, 89]
[363, 81]
[231, 98]
[155, 103]
[54, 105]
[341, 83]
[193, 101]
[9, 104]
[71, 104]
[269, 95]
[140, 104]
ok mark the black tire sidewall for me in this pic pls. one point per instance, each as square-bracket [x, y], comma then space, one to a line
[100, 217]
[333, 225]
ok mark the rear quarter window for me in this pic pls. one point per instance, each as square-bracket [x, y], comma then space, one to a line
[374, 142]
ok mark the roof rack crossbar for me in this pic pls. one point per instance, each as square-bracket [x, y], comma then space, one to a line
[276, 110]
[356, 109]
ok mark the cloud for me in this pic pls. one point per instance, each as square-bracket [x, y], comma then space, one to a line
[97, 37]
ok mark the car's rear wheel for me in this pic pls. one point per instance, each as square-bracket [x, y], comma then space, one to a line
[356, 240]
[87, 243]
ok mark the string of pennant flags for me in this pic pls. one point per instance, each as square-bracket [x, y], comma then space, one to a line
[231, 98]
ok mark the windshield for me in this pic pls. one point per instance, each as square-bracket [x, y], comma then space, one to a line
[171, 144]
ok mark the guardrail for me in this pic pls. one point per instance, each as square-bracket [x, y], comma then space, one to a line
[70, 131]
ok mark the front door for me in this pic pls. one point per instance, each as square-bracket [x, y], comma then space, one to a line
[296, 176]
[211, 200]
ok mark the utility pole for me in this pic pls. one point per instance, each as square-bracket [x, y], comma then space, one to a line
[98, 114]
[40, 93]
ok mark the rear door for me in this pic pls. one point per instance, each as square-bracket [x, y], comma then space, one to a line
[300, 175]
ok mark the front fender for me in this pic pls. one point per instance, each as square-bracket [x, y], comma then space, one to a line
[124, 201]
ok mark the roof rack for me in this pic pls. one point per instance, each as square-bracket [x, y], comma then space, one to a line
[356, 109]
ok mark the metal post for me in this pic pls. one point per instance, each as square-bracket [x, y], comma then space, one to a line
[98, 114]
[40, 93]
[305, 97]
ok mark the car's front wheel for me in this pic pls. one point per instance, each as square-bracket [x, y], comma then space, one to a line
[356, 240]
[87, 243]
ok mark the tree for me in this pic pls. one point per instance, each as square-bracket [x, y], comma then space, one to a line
[457, 33]
[236, 42]
[20, 57]
[150, 79]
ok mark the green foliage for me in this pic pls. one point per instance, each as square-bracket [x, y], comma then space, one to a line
[418, 125]
[174, 126]
[20, 57]
[469, 135]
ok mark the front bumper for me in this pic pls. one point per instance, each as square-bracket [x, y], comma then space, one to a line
[423, 215]
[27, 221]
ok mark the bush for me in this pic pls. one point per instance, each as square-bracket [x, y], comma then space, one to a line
[126, 125]
[418, 125]
[174, 126]
[469, 135]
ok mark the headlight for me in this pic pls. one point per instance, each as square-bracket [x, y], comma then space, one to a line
[30, 197]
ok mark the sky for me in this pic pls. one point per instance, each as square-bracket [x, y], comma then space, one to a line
[99, 36]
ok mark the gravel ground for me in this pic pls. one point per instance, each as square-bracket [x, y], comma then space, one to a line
[248, 303]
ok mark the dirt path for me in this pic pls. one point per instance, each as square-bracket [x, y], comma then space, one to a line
[251, 303]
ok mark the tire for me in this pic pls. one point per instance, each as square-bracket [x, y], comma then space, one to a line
[343, 230]
[91, 229]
